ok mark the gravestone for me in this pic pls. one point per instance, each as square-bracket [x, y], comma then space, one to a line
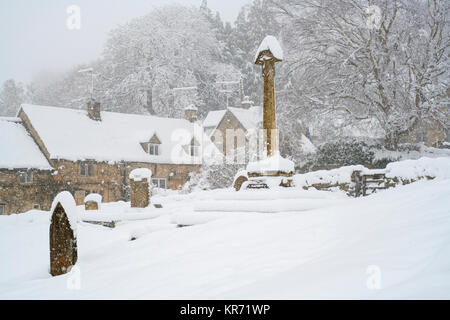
[63, 241]
[92, 201]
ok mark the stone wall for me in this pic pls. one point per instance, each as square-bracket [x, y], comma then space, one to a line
[106, 179]
[109, 180]
[21, 197]
[176, 175]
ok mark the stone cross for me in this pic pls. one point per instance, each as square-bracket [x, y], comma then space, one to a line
[267, 60]
[63, 243]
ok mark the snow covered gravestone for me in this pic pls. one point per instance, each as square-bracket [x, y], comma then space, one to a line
[92, 201]
[63, 240]
[140, 187]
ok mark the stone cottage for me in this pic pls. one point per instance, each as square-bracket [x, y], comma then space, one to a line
[235, 126]
[24, 170]
[91, 151]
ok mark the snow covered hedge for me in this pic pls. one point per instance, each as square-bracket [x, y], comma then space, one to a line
[355, 152]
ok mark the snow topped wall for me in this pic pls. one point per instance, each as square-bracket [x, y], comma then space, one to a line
[438, 168]
[333, 177]
[421, 168]
[67, 201]
[270, 43]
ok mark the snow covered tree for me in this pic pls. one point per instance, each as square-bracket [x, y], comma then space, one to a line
[12, 95]
[169, 48]
[382, 59]
[253, 23]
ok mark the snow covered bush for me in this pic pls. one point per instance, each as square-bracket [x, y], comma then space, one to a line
[212, 177]
[343, 153]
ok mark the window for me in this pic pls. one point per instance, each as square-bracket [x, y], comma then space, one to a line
[159, 183]
[36, 206]
[2, 208]
[194, 148]
[90, 169]
[194, 151]
[87, 169]
[26, 177]
[154, 145]
[153, 149]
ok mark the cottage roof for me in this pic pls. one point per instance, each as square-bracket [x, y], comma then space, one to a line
[213, 118]
[71, 135]
[17, 147]
[249, 118]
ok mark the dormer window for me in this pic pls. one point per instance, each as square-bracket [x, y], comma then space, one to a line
[194, 148]
[153, 149]
[153, 146]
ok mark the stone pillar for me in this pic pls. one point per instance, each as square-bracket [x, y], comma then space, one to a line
[140, 180]
[268, 53]
[63, 242]
[139, 193]
[269, 121]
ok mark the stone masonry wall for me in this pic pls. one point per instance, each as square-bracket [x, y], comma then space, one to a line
[21, 197]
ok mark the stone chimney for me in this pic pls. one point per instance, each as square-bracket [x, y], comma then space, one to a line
[190, 113]
[93, 109]
[247, 103]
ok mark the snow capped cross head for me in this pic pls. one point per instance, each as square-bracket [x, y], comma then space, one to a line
[269, 50]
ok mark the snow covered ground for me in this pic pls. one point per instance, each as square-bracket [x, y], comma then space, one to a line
[393, 244]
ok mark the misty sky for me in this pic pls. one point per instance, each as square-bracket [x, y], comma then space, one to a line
[34, 35]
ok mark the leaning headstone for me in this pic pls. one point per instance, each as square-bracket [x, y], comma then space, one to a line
[140, 187]
[63, 237]
[92, 201]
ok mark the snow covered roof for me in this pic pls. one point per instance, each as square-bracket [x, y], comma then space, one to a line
[269, 43]
[71, 135]
[249, 118]
[306, 145]
[213, 118]
[364, 128]
[18, 149]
